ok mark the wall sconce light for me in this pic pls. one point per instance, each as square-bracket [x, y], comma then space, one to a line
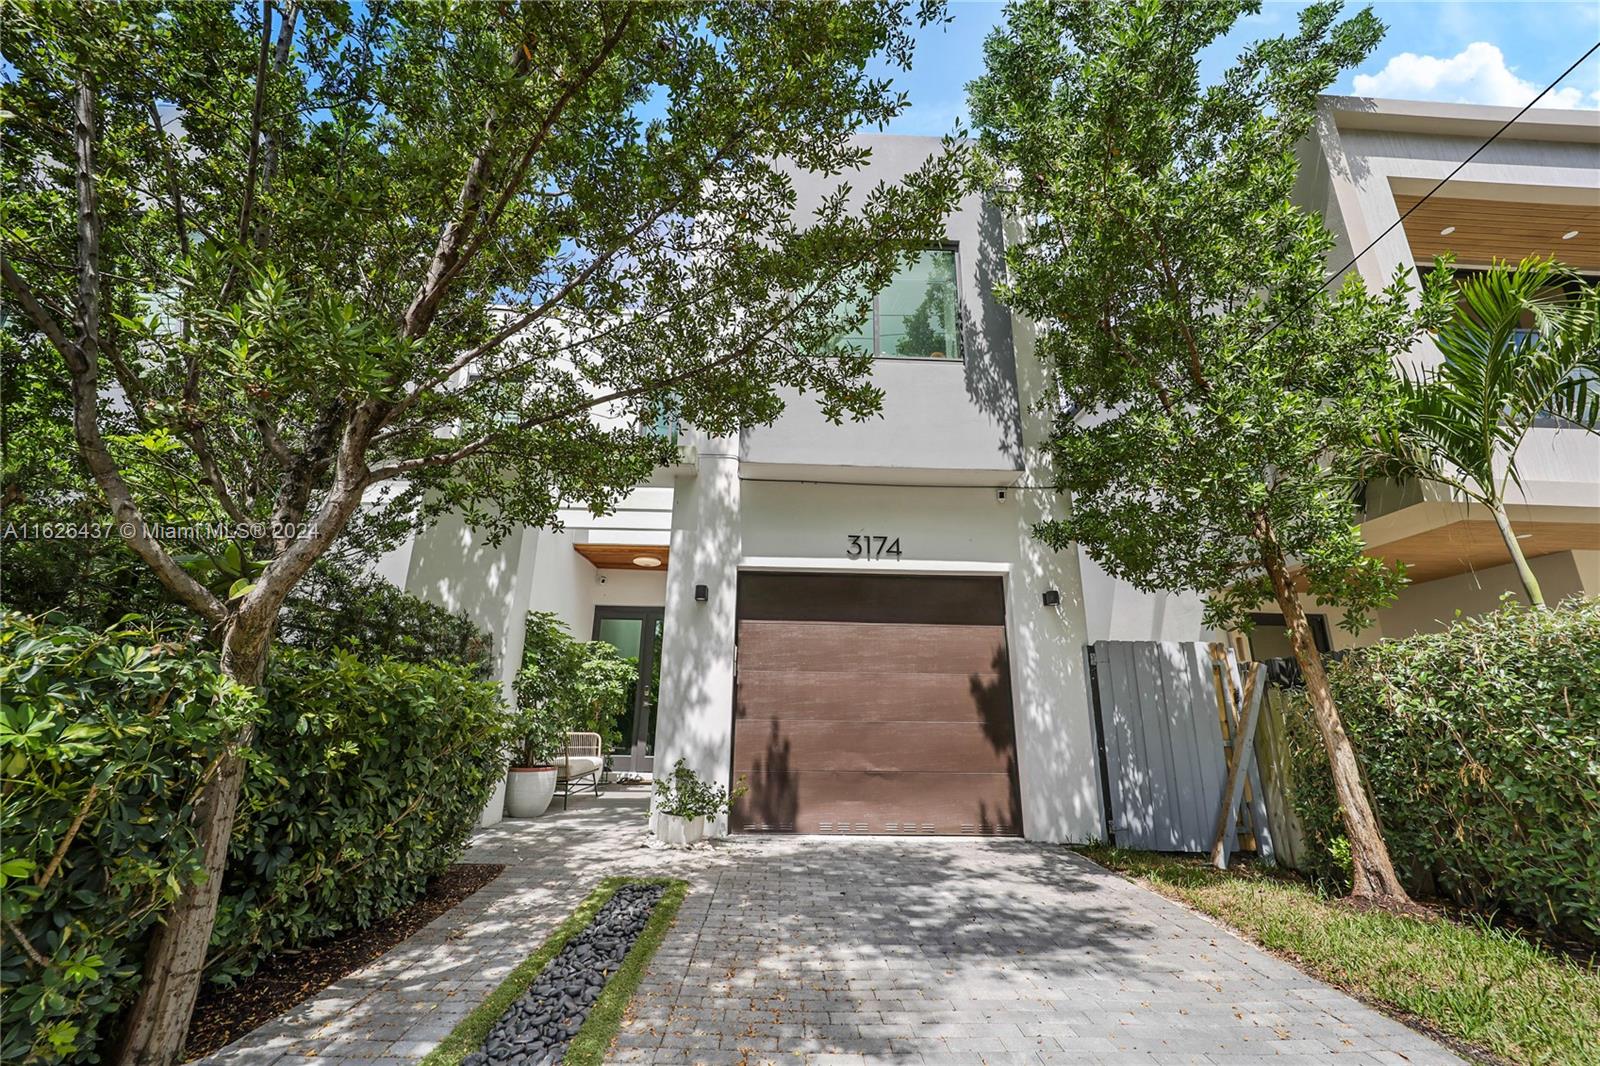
[701, 594]
[1052, 598]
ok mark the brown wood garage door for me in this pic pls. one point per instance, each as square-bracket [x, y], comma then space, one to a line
[868, 704]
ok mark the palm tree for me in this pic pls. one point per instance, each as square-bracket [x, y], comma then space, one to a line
[1522, 344]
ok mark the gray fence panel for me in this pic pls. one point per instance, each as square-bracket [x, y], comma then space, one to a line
[1209, 752]
[1165, 763]
[1180, 741]
[1134, 818]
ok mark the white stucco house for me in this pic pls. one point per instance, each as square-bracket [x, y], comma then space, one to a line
[856, 618]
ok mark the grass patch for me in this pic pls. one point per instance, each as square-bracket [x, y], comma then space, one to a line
[598, 1029]
[594, 1037]
[1488, 987]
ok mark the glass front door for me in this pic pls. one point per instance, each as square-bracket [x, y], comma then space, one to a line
[636, 633]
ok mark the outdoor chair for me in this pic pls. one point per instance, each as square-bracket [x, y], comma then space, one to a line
[580, 766]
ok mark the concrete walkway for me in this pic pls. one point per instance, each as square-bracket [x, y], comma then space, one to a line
[826, 950]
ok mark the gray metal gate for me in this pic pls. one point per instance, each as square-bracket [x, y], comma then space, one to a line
[1164, 755]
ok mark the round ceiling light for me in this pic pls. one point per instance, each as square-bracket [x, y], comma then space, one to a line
[1447, 231]
[646, 560]
[1571, 233]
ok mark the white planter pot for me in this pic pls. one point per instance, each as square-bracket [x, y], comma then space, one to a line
[529, 790]
[670, 829]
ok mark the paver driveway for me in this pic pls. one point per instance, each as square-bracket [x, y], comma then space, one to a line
[851, 950]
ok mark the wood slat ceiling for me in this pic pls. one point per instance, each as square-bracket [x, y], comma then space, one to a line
[1476, 545]
[622, 556]
[1486, 230]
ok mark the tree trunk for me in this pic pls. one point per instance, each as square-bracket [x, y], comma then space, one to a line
[1373, 876]
[156, 1026]
[1524, 571]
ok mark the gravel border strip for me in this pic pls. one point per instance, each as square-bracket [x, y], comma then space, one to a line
[593, 1039]
[541, 1023]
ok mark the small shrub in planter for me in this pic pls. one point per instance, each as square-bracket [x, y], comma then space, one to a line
[686, 804]
[587, 683]
[539, 733]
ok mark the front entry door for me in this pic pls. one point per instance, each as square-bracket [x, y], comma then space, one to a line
[636, 633]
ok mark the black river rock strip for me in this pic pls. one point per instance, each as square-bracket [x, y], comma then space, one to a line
[537, 1028]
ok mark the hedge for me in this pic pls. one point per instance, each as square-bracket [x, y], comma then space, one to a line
[103, 740]
[334, 607]
[1481, 748]
[365, 779]
[372, 776]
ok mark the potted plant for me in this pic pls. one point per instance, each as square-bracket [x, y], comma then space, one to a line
[686, 804]
[539, 734]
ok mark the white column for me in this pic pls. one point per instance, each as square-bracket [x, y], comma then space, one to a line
[1058, 767]
[695, 717]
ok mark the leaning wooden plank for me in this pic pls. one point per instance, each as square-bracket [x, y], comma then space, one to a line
[1256, 795]
[1252, 787]
[1238, 764]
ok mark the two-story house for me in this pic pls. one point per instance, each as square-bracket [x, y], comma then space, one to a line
[857, 618]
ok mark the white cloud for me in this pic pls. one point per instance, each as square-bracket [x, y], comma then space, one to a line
[1476, 75]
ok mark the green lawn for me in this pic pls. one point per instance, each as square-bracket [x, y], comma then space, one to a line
[1486, 986]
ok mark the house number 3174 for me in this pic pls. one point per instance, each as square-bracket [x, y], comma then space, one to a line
[871, 546]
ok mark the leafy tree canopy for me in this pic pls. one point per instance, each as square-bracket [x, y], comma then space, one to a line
[410, 250]
[1520, 348]
[1214, 391]
[315, 267]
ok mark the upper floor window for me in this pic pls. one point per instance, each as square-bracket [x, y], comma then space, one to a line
[916, 316]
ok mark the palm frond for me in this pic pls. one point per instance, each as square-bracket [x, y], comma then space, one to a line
[1497, 377]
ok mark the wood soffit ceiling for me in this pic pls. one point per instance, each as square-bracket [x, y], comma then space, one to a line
[1473, 544]
[1486, 230]
[622, 556]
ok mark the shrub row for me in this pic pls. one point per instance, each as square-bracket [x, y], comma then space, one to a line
[1481, 748]
[370, 777]
[335, 607]
[104, 738]
[365, 779]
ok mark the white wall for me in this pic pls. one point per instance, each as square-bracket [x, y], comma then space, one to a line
[630, 588]
[1115, 610]
[563, 582]
[1431, 606]
[721, 523]
[455, 567]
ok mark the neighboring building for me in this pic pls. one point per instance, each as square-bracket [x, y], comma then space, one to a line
[857, 618]
[1534, 191]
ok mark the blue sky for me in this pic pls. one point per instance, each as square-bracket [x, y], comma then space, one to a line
[1452, 50]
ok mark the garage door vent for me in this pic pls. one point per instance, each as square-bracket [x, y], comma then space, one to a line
[984, 831]
[763, 827]
[907, 827]
[841, 827]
